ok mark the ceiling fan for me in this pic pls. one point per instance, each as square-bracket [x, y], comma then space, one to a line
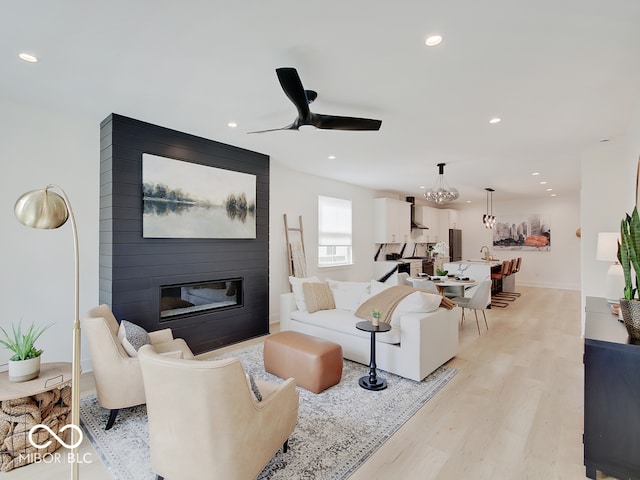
[301, 98]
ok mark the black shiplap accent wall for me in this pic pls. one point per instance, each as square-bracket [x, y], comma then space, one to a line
[132, 266]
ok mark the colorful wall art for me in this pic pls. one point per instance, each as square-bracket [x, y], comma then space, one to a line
[529, 232]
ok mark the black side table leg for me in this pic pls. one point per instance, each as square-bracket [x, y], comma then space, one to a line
[373, 382]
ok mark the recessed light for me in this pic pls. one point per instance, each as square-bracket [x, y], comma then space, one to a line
[28, 58]
[549, 189]
[232, 124]
[495, 120]
[332, 157]
[553, 195]
[468, 201]
[422, 187]
[543, 183]
[433, 40]
[535, 173]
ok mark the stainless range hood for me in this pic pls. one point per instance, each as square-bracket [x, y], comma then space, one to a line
[414, 223]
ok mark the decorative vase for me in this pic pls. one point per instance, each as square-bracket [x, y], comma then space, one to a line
[438, 262]
[24, 370]
[375, 320]
[631, 316]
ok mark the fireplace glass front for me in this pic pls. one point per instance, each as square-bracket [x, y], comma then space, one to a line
[190, 298]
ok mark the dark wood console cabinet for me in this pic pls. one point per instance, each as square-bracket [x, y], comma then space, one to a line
[611, 395]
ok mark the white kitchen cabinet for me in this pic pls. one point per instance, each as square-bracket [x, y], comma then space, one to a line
[448, 219]
[392, 220]
[434, 233]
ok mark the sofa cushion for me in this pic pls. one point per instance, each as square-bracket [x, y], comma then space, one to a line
[132, 337]
[298, 293]
[344, 321]
[318, 296]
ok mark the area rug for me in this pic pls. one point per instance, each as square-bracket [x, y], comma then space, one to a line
[337, 430]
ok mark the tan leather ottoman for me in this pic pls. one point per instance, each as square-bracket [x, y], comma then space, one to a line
[315, 364]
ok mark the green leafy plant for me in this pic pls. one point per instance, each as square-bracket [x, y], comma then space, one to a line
[629, 253]
[375, 313]
[441, 273]
[22, 344]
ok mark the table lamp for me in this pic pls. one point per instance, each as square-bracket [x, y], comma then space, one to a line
[46, 209]
[607, 250]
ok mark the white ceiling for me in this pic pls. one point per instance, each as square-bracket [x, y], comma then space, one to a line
[563, 74]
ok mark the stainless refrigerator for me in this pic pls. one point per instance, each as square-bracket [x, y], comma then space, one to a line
[455, 245]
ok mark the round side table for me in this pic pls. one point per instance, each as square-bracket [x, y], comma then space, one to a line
[43, 400]
[372, 382]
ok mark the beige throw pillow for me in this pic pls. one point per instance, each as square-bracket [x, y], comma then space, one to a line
[318, 296]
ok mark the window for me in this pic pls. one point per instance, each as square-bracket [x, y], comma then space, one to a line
[334, 231]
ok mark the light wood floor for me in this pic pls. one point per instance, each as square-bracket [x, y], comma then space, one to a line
[513, 411]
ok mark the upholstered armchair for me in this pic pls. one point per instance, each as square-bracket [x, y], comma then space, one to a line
[205, 421]
[117, 375]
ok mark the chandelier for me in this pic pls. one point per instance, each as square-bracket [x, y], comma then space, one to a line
[489, 218]
[441, 191]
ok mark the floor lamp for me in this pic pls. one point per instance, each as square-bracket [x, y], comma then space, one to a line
[46, 209]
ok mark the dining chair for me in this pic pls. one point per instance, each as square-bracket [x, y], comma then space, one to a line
[426, 285]
[480, 299]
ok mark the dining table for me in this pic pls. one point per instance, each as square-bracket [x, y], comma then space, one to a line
[441, 285]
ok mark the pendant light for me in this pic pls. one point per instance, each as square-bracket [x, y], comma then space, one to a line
[489, 218]
[441, 191]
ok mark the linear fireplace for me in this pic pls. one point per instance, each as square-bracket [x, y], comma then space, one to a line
[135, 269]
[188, 298]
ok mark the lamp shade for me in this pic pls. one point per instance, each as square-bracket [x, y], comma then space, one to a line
[607, 247]
[41, 209]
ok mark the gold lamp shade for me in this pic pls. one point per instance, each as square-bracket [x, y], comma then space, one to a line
[41, 209]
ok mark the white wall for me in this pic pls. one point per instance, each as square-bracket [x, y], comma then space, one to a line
[296, 194]
[558, 268]
[37, 266]
[608, 193]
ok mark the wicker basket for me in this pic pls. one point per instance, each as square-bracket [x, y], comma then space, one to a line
[631, 316]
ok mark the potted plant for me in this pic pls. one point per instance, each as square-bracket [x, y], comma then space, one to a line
[25, 363]
[629, 256]
[375, 316]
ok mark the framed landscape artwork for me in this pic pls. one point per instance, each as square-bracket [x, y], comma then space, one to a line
[522, 232]
[189, 200]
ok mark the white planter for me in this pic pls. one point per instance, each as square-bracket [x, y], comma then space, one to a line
[23, 370]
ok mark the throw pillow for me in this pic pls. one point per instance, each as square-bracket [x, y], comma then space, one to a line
[417, 302]
[132, 337]
[377, 287]
[298, 293]
[348, 295]
[318, 296]
[420, 302]
[254, 387]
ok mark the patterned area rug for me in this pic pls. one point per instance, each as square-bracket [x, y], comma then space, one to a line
[335, 434]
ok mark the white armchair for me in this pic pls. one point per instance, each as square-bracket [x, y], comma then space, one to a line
[205, 422]
[117, 375]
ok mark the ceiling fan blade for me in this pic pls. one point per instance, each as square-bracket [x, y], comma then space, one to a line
[288, 127]
[333, 122]
[292, 86]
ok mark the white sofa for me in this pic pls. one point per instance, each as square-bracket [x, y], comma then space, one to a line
[417, 344]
